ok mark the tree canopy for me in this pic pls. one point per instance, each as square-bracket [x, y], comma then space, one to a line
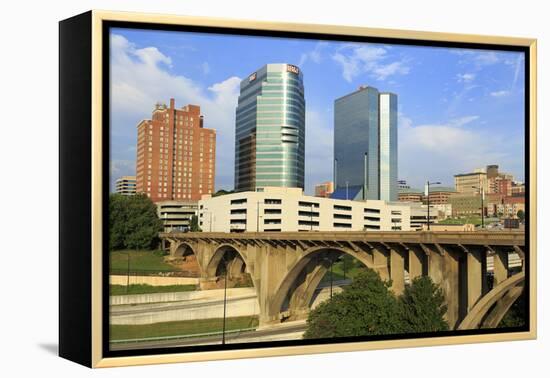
[422, 307]
[133, 222]
[368, 307]
[194, 224]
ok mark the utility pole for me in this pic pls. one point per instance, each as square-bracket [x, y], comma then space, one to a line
[224, 299]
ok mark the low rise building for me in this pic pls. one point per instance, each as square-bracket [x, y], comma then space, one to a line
[419, 215]
[176, 215]
[324, 189]
[471, 182]
[465, 204]
[274, 209]
[126, 185]
[518, 189]
[410, 195]
[439, 195]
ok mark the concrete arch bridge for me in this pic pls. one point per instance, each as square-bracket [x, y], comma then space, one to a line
[286, 268]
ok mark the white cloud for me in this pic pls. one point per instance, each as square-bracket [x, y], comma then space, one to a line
[373, 61]
[479, 57]
[502, 93]
[466, 77]
[142, 77]
[438, 151]
[313, 55]
[487, 58]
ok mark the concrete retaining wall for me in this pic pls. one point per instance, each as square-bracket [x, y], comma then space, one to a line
[167, 307]
[152, 280]
[198, 295]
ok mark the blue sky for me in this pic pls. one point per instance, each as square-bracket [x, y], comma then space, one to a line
[458, 109]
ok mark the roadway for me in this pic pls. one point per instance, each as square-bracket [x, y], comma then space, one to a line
[284, 331]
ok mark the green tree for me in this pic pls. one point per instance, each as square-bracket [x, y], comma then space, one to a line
[366, 307]
[194, 224]
[521, 215]
[222, 192]
[133, 222]
[422, 307]
[369, 307]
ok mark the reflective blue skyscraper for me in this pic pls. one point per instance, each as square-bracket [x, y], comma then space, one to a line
[365, 145]
[356, 143]
[270, 129]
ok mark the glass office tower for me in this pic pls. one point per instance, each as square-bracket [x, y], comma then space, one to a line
[388, 146]
[365, 145]
[270, 129]
[356, 143]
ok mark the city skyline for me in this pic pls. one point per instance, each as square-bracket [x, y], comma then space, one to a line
[467, 112]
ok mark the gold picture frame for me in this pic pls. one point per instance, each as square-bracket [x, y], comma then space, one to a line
[87, 32]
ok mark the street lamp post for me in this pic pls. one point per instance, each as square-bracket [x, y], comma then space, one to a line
[347, 190]
[224, 299]
[428, 183]
[482, 194]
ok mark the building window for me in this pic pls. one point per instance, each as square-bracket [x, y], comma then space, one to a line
[308, 223]
[342, 208]
[342, 216]
[341, 225]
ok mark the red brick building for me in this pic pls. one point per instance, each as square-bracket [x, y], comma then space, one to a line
[176, 156]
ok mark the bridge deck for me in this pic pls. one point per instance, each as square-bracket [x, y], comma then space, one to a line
[425, 237]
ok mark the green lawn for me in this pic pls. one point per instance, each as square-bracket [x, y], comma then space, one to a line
[152, 261]
[471, 220]
[181, 328]
[351, 266]
[148, 289]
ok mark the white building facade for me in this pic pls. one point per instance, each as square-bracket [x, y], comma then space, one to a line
[273, 209]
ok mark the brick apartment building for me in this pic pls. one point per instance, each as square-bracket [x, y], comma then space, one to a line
[176, 156]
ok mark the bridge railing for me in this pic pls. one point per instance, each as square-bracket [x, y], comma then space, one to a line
[443, 237]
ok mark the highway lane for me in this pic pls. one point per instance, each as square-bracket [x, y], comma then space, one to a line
[250, 336]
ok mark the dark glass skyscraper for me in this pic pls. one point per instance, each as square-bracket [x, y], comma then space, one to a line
[365, 144]
[270, 129]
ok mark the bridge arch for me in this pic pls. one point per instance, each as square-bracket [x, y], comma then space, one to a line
[184, 250]
[489, 310]
[234, 258]
[297, 288]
